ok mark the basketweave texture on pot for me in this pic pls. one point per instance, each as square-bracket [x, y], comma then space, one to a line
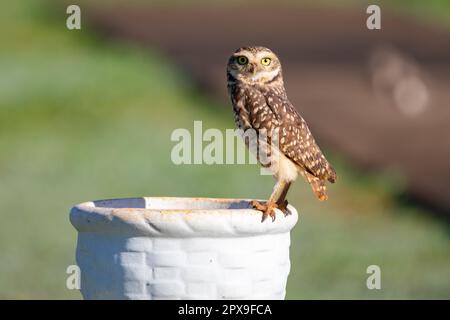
[181, 248]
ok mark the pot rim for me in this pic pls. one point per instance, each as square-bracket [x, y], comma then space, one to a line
[177, 217]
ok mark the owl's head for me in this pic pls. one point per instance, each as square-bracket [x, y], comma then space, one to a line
[254, 65]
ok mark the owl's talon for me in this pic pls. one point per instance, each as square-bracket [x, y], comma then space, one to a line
[272, 214]
[268, 209]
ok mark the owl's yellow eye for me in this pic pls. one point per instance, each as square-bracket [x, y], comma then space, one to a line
[266, 61]
[242, 60]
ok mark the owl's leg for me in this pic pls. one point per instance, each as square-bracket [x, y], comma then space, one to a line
[282, 203]
[268, 208]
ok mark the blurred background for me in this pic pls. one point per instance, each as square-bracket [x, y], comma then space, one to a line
[87, 114]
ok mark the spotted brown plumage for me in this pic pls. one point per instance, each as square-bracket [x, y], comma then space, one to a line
[260, 103]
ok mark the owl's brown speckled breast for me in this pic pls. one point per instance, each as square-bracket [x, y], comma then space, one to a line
[251, 107]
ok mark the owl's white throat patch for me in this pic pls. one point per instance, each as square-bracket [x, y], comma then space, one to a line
[265, 75]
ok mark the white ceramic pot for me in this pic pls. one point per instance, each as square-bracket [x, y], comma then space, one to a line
[181, 248]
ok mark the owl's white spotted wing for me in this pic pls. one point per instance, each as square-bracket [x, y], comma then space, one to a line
[296, 141]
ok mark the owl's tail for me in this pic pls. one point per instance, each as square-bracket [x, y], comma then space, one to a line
[331, 173]
[318, 186]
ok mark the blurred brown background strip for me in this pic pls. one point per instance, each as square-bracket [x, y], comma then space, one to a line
[380, 98]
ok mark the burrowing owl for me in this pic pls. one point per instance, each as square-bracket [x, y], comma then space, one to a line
[255, 85]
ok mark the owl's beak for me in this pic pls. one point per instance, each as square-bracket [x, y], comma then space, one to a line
[252, 68]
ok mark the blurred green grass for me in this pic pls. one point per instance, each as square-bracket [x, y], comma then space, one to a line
[83, 119]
